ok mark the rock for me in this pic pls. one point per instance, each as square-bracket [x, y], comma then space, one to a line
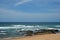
[44, 31]
[38, 32]
[56, 30]
[29, 33]
[49, 31]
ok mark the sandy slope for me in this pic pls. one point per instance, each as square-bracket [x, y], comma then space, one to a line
[39, 37]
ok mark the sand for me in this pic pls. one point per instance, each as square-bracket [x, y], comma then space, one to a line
[39, 37]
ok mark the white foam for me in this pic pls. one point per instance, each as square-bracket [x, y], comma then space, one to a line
[25, 27]
[18, 25]
[3, 33]
[51, 28]
[58, 29]
[9, 27]
[57, 25]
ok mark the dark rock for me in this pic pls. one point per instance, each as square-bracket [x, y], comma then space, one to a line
[44, 31]
[56, 30]
[49, 31]
[38, 32]
[29, 33]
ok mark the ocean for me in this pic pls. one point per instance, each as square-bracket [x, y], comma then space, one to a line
[11, 29]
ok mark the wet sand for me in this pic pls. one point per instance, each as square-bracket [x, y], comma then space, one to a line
[37, 37]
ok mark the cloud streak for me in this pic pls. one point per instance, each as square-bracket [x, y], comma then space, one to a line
[22, 2]
[5, 13]
[30, 10]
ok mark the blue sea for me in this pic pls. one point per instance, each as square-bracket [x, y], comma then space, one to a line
[11, 29]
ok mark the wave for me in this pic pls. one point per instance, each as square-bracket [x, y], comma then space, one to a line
[15, 30]
[57, 25]
[28, 27]
[22, 26]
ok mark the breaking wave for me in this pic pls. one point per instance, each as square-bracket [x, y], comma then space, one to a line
[13, 30]
[30, 27]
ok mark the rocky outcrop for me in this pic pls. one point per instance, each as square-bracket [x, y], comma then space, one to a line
[44, 31]
[29, 33]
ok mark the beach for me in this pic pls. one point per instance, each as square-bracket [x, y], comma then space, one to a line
[37, 37]
[30, 31]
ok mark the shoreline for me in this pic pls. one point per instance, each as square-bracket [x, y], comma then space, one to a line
[36, 37]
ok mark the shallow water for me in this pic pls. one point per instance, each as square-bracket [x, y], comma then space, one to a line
[11, 29]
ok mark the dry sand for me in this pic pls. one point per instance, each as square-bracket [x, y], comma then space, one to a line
[39, 37]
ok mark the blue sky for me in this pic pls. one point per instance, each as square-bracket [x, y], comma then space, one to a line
[29, 10]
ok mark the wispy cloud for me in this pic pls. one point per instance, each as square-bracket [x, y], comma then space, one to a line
[34, 10]
[22, 2]
[13, 13]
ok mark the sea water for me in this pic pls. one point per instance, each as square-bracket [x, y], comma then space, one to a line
[11, 29]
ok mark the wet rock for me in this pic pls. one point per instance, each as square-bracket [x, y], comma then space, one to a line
[56, 30]
[38, 32]
[44, 31]
[29, 33]
[49, 31]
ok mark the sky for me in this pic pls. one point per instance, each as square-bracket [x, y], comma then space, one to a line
[29, 10]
